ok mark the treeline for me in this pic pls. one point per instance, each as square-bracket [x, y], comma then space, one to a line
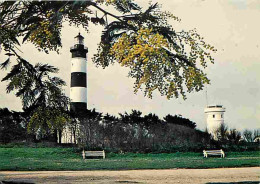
[148, 133]
[137, 133]
[12, 127]
[129, 132]
[15, 127]
[232, 139]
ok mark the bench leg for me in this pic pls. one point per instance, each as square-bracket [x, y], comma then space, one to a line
[83, 154]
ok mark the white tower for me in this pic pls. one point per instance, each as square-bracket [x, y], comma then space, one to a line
[215, 117]
[78, 85]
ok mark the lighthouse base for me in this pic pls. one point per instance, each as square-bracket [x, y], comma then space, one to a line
[78, 107]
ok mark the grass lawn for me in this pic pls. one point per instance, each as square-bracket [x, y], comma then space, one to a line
[26, 159]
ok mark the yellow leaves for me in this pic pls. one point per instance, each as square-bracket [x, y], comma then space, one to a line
[49, 13]
[138, 47]
[119, 49]
[167, 15]
[143, 50]
[107, 2]
[143, 80]
[199, 50]
[161, 58]
[145, 60]
[44, 36]
[172, 91]
[110, 1]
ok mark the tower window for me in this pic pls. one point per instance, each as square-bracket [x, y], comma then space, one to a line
[221, 115]
[213, 115]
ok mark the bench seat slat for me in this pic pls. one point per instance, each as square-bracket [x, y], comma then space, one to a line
[93, 154]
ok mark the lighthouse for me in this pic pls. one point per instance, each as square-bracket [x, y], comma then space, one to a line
[215, 117]
[78, 85]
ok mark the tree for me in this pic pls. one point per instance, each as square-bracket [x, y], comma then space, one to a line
[110, 132]
[234, 136]
[256, 134]
[158, 56]
[222, 133]
[11, 126]
[151, 119]
[134, 118]
[89, 128]
[248, 135]
[179, 120]
[42, 96]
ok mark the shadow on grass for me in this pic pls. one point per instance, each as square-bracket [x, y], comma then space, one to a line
[240, 182]
[126, 182]
[15, 182]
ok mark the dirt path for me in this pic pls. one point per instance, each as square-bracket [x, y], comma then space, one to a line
[194, 176]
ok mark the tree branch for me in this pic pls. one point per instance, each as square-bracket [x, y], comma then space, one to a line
[105, 12]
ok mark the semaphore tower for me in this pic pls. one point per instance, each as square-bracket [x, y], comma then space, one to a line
[215, 117]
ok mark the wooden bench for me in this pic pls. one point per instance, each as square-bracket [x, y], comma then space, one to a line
[213, 152]
[93, 154]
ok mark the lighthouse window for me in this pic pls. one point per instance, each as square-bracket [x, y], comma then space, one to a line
[213, 115]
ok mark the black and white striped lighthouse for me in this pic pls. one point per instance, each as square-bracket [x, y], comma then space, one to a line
[78, 85]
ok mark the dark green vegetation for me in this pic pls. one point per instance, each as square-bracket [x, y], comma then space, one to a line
[70, 159]
[44, 103]
[130, 132]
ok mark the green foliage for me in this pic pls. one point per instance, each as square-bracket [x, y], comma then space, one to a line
[42, 97]
[158, 56]
[47, 120]
[34, 85]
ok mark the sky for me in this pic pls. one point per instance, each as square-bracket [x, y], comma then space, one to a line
[232, 26]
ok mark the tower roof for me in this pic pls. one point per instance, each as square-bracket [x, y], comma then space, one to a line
[79, 36]
[214, 108]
